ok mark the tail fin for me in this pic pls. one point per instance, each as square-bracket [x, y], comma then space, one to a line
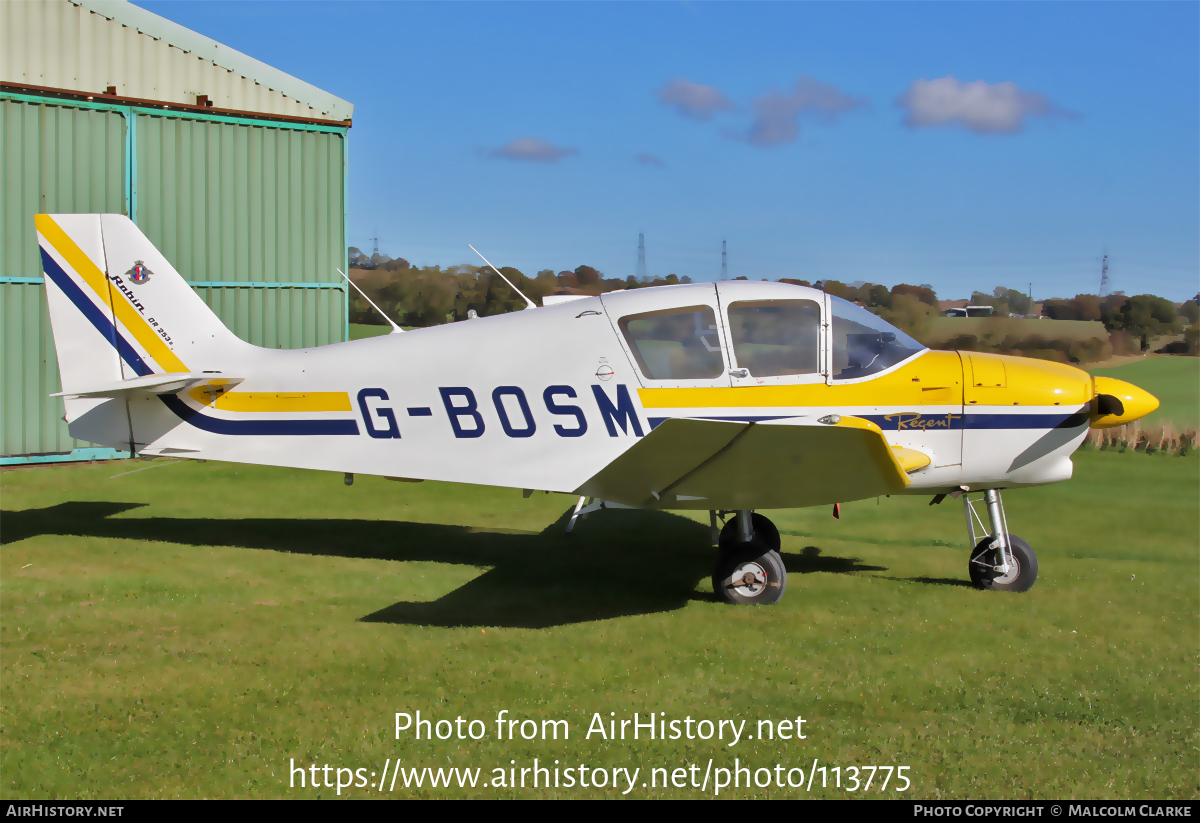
[120, 311]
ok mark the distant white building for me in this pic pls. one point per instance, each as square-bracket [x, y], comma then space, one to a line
[971, 311]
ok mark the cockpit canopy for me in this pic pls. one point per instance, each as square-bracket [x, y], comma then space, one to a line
[757, 333]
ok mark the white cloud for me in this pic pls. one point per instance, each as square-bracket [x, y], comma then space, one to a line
[693, 99]
[534, 149]
[777, 116]
[984, 108]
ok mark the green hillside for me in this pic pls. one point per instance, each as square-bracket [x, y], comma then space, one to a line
[1175, 381]
[944, 328]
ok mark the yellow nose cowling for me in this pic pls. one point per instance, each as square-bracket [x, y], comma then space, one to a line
[1118, 403]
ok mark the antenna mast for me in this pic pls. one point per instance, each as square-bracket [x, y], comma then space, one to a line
[395, 329]
[724, 262]
[529, 304]
[641, 267]
[1104, 275]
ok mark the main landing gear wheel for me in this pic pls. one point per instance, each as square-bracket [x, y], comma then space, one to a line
[764, 530]
[750, 573]
[1022, 566]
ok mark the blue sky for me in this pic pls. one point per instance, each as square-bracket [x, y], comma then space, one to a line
[964, 145]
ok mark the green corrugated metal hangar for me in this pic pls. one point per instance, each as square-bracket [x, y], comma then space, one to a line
[235, 170]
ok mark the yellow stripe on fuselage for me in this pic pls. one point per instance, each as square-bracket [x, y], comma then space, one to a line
[90, 273]
[237, 401]
[933, 379]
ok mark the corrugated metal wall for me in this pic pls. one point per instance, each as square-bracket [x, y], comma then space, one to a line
[286, 318]
[246, 203]
[226, 202]
[32, 420]
[56, 159]
[249, 204]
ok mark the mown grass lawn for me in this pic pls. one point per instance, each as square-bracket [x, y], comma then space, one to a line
[190, 629]
[1175, 381]
[360, 330]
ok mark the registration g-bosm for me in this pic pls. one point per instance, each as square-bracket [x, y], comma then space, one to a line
[729, 397]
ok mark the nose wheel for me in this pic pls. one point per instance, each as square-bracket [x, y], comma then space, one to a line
[749, 568]
[1001, 561]
[989, 572]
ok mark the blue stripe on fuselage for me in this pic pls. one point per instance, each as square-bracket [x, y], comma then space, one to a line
[938, 422]
[948, 422]
[1028, 421]
[217, 425]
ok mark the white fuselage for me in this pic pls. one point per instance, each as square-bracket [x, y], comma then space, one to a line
[546, 398]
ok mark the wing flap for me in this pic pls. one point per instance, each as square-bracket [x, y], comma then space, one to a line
[669, 452]
[709, 464]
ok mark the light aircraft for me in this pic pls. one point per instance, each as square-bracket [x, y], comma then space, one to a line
[727, 397]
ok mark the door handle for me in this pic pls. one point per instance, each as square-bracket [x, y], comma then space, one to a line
[739, 372]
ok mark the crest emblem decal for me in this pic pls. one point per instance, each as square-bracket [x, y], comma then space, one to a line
[138, 273]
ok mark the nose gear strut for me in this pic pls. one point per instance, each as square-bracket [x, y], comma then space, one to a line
[1000, 561]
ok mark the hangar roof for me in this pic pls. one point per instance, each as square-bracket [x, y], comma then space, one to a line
[90, 45]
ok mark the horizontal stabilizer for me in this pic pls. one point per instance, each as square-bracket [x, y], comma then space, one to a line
[715, 464]
[172, 383]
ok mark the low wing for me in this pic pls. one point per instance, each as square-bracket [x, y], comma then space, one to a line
[714, 464]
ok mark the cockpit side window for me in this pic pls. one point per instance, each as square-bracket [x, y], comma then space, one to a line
[775, 338]
[676, 343]
[864, 344]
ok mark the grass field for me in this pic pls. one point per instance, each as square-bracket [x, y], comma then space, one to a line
[190, 629]
[1174, 380]
[360, 330]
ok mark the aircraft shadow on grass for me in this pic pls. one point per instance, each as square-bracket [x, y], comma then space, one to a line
[617, 563]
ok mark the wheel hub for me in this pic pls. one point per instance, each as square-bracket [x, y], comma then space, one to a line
[749, 579]
[1006, 576]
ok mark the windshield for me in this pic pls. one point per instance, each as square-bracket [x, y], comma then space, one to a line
[864, 344]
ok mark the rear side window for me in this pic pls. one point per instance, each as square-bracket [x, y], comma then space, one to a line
[675, 344]
[775, 338]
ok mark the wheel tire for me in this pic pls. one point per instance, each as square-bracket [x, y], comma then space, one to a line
[750, 573]
[764, 530]
[1018, 579]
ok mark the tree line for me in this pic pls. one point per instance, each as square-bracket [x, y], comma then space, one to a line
[431, 295]
[1130, 322]
[417, 296]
